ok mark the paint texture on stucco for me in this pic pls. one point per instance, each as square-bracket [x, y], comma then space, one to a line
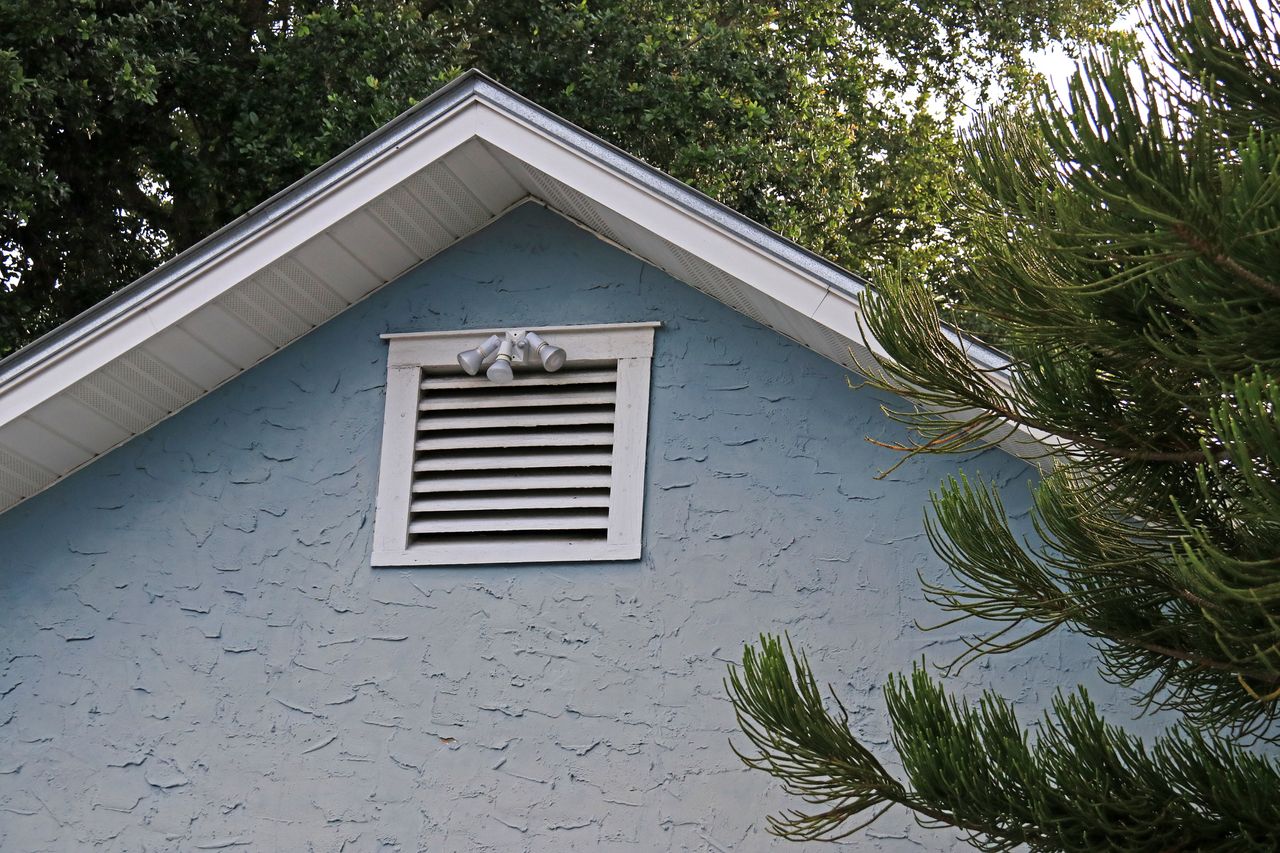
[195, 653]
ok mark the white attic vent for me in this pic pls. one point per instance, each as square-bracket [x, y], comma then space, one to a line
[532, 459]
[547, 468]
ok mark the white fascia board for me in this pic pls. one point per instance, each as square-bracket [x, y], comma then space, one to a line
[261, 247]
[658, 214]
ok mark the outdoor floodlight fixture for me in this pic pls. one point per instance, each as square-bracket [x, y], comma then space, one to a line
[500, 371]
[552, 357]
[472, 359]
[510, 347]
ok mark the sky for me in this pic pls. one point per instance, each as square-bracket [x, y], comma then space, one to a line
[1057, 66]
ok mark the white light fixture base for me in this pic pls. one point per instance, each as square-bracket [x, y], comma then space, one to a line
[514, 346]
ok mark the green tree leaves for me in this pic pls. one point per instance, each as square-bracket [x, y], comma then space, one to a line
[136, 128]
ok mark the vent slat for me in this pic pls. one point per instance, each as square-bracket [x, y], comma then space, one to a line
[486, 502]
[518, 420]
[465, 549]
[501, 400]
[528, 462]
[506, 482]
[564, 377]
[515, 461]
[527, 438]
[501, 523]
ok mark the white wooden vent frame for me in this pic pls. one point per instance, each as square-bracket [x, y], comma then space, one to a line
[548, 468]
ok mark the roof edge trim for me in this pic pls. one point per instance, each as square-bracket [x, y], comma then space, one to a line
[470, 85]
[454, 94]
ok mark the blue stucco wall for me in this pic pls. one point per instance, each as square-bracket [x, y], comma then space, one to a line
[195, 654]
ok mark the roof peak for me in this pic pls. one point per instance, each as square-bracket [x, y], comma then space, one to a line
[434, 174]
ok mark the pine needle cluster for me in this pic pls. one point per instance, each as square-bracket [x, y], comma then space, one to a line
[1081, 785]
[1129, 244]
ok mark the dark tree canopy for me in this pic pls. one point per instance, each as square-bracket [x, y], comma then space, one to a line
[1126, 245]
[132, 128]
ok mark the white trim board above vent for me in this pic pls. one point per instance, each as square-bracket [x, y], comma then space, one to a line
[547, 468]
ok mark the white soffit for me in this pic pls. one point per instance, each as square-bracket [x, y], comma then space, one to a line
[439, 172]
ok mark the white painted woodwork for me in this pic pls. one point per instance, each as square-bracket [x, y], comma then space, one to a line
[234, 340]
[487, 482]
[523, 419]
[294, 265]
[41, 445]
[482, 502]
[551, 462]
[551, 396]
[579, 438]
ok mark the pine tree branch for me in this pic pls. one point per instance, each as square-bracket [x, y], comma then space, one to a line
[779, 708]
[1221, 259]
[1144, 356]
[924, 364]
[1202, 661]
[1079, 785]
[1103, 579]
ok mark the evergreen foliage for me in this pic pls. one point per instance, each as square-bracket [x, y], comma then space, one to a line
[1127, 249]
[1079, 785]
[132, 128]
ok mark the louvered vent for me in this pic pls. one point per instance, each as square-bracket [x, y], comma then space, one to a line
[546, 468]
[530, 461]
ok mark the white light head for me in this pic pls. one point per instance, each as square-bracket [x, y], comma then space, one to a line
[472, 359]
[500, 371]
[552, 357]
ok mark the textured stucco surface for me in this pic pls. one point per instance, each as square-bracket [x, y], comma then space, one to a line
[195, 654]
